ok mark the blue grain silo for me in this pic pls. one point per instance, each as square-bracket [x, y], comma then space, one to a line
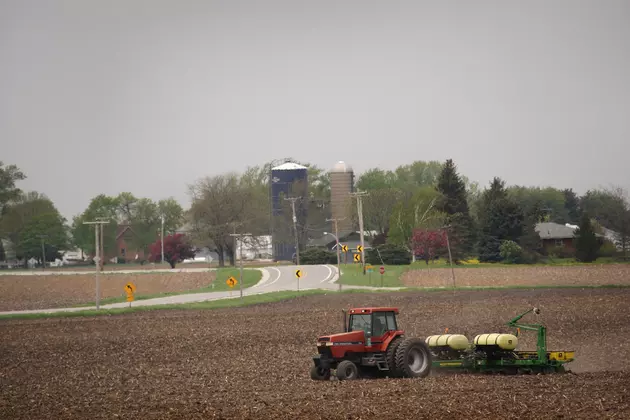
[288, 180]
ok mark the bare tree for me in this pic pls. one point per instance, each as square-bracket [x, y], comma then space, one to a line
[223, 205]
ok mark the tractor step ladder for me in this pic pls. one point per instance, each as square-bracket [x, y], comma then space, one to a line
[382, 365]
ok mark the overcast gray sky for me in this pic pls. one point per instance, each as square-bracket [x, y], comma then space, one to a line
[147, 96]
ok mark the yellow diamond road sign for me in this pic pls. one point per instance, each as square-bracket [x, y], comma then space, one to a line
[357, 257]
[130, 288]
[359, 248]
[344, 248]
[231, 282]
[298, 273]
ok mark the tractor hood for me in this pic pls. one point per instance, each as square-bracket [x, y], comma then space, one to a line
[348, 338]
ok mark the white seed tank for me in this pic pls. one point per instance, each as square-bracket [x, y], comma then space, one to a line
[454, 341]
[503, 341]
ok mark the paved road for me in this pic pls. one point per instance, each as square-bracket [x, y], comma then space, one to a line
[274, 279]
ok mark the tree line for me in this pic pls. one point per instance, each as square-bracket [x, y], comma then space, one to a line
[29, 221]
[416, 205]
[408, 207]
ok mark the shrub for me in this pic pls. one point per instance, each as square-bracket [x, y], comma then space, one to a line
[121, 260]
[511, 252]
[608, 249]
[318, 256]
[390, 254]
[561, 252]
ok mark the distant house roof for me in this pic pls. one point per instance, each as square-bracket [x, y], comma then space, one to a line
[328, 240]
[549, 230]
[121, 229]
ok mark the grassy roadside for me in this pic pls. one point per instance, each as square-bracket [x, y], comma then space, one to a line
[558, 262]
[250, 278]
[352, 274]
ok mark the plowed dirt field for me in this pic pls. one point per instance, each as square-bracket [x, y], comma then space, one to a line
[63, 290]
[254, 362]
[590, 275]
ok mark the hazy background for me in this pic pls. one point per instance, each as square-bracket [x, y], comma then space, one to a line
[146, 96]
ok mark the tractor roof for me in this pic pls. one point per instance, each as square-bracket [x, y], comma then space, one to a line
[370, 310]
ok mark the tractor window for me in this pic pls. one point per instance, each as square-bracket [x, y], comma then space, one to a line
[361, 322]
[380, 324]
[391, 321]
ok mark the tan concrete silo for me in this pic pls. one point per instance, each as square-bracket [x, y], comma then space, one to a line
[341, 185]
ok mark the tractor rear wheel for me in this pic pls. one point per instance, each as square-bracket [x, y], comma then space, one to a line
[347, 370]
[390, 357]
[413, 358]
[320, 374]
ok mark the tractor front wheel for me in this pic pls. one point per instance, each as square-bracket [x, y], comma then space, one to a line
[320, 374]
[347, 370]
[413, 358]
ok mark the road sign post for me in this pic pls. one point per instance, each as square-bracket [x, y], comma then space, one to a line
[369, 269]
[344, 248]
[362, 257]
[130, 288]
[231, 282]
[382, 271]
[298, 274]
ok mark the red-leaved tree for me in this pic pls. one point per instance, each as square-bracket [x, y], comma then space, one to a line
[176, 249]
[428, 243]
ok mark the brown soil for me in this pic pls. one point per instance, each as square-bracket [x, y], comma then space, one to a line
[521, 275]
[54, 291]
[149, 266]
[254, 362]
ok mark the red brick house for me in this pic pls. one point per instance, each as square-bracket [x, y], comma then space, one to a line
[554, 235]
[124, 244]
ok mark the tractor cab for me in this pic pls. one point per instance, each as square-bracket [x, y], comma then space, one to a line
[374, 322]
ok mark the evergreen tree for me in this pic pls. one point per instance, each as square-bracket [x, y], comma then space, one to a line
[454, 203]
[586, 242]
[572, 204]
[501, 219]
[453, 190]
[530, 241]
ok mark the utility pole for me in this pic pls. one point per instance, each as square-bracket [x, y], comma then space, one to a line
[450, 256]
[43, 252]
[162, 237]
[335, 221]
[359, 196]
[97, 253]
[102, 249]
[239, 236]
[102, 253]
[297, 240]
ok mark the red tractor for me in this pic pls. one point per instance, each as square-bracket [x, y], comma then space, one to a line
[371, 344]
